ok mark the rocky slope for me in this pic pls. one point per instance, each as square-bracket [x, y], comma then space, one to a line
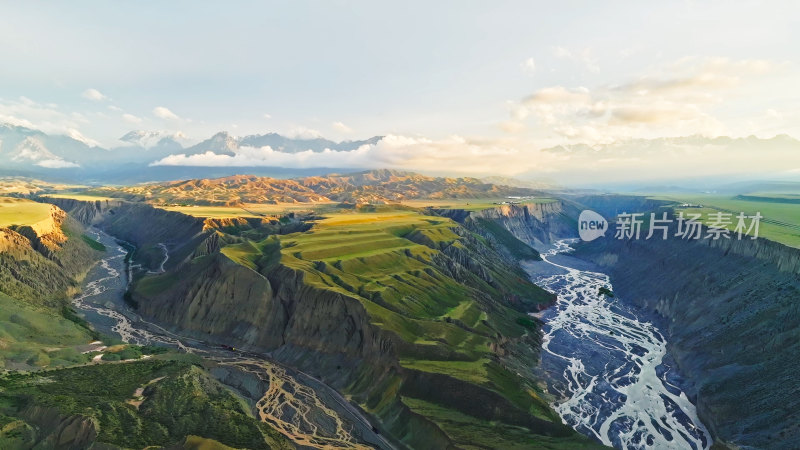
[40, 263]
[85, 212]
[536, 224]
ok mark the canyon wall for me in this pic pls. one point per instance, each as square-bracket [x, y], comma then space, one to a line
[40, 263]
[731, 309]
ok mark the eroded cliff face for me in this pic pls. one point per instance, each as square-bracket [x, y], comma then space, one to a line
[144, 226]
[536, 224]
[46, 236]
[85, 212]
[732, 311]
[58, 431]
[40, 263]
[220, 300]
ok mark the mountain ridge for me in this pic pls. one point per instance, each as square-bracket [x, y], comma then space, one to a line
[372, 186]
[64, 151]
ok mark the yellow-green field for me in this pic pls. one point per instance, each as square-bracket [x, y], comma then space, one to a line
[780, 222]
[26, 186]
[79, 196]
[345, 236]
[16, 211]
[249, 210]
[475, 204]
[326, 208]
[387, 260]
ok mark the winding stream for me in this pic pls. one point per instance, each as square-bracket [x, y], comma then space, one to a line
[607, 365]
[101, 300]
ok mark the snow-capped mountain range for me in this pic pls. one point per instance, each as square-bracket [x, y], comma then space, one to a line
[29, 151]
[160, 155]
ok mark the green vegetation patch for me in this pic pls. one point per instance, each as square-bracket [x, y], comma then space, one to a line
[470, 433]
[605, 291]
[780, 222]
[37, 337]
[93, 244]
[517, 248]
[140, 404]
[17, 211]
[442, 291]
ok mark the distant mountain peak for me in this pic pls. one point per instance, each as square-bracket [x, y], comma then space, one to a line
[34, 151]
[150, 139]
[221, 143]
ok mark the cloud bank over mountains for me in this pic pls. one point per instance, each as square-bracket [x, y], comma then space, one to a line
[24, 149]
[691, 96]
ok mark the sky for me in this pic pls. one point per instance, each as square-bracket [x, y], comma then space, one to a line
[477, 86]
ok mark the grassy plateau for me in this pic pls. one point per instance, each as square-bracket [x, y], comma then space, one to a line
[780, 222]
[17, 211]
[393, 261]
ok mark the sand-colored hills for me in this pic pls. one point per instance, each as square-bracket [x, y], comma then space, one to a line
[375, 186]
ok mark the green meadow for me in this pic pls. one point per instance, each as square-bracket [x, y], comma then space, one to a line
[476, 204]
[391, 262]
[780, 222]
[17, 211]
[250, 209]
[33, 338]
[471, 433]
[333, 208]
[144, 404]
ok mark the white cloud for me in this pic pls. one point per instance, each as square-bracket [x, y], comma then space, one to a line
[56, 164]
[342, 128]
[620, 161]
[512, 126]
[267, 116]
[561, 52]
[456, 153]
[303, 133]
[681, 98]
[130, 118]
[94, 95]
[164, 113]
[529, 66]
[45, 117]
[583, 57]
